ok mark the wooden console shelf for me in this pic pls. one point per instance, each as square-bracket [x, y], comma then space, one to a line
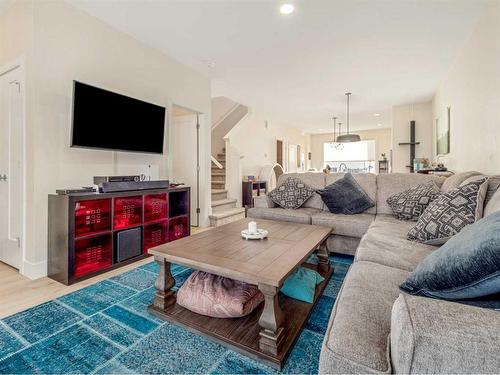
[92, 233]
[251, 189]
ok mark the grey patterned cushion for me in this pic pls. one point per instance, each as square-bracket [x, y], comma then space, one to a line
[450, 213]
[292, 193]
[411, 203]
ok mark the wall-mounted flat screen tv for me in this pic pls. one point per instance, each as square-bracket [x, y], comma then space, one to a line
[106, 120]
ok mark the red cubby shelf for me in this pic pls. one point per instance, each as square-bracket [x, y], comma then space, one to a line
[155, 234]
[87, 231]
[93, 254]
[155, 207]
[92, 217]
[127, 212]
[178, 227]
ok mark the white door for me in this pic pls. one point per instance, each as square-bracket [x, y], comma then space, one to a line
[292, 158]
[184, 156]
[11, 119]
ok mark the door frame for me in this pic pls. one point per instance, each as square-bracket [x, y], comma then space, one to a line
[199, 120]
[5, 69]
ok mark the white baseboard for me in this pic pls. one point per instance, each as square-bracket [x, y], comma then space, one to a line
[34, 270]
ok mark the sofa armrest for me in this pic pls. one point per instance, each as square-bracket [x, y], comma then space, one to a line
[435, 336]
[263, 202]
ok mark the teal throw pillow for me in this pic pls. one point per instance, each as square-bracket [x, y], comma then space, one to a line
[301, 284]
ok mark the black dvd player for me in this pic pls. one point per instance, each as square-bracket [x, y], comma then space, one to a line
[101, 179]
[110, 187]
[76, 190]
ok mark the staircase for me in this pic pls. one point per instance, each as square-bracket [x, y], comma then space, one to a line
[224, 209]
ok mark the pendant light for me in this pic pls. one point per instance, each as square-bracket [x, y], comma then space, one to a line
[339, 145]
[348, 137]
[334, 144]
[334, 129]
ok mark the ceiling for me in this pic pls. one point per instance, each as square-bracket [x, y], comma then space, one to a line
[4, 4]
[296, 68]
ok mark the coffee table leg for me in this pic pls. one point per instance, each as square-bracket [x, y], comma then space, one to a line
[323, 260]
[271, 321]
[164, 296]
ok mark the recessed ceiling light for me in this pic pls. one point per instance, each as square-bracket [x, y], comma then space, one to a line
[376, 114]
[210, 63]
[379, 124]
[287, 8]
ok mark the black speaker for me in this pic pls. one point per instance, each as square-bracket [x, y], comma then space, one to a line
[128, 244]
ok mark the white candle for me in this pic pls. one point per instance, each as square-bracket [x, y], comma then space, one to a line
[252, 227]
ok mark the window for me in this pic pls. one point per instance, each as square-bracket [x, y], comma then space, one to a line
[355, 157]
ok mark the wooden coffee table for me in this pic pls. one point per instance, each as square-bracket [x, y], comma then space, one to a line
[269, 332]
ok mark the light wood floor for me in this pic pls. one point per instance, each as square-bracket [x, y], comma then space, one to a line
[17, 293]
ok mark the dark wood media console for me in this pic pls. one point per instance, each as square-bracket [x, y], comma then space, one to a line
[90, 233]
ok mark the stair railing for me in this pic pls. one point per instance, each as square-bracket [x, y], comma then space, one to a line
[225, 115]
[216, 162]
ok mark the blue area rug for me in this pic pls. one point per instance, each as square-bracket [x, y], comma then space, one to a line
[105, 328]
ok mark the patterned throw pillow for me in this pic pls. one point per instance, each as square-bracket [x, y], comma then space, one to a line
[450, 213]
[292, 193]
[411, 203]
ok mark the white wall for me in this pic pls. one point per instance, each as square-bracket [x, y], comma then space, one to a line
[221, 106]
[424, 128]
[257, 143]
[382, 138]
[472, 90]
[68, 45]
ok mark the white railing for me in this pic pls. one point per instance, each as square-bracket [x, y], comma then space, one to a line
[225, 115]
[234, 171]
[216, 162]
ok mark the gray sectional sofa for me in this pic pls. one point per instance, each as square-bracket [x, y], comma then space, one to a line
[374, 328]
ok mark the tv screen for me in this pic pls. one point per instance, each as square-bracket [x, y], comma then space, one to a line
[106, 120]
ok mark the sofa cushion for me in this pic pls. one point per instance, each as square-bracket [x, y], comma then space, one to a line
[291, 194]
[391, 183]
[411, 203]
[441, 337]
[467, 266]
[346, 196]
[263, 201]
[493, 184]
[357, 338]
[300, 215]
[314, 180]
[450, 213]
[367, 181]
[345, 225]
[385, 243]
[342, 244]
[493, 204]
[391, 219]
[456, 180]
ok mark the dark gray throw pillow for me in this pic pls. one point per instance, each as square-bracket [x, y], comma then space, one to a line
[411, 203]
[449, 213]
[467, 267]
[292, 193]
[346, 196]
